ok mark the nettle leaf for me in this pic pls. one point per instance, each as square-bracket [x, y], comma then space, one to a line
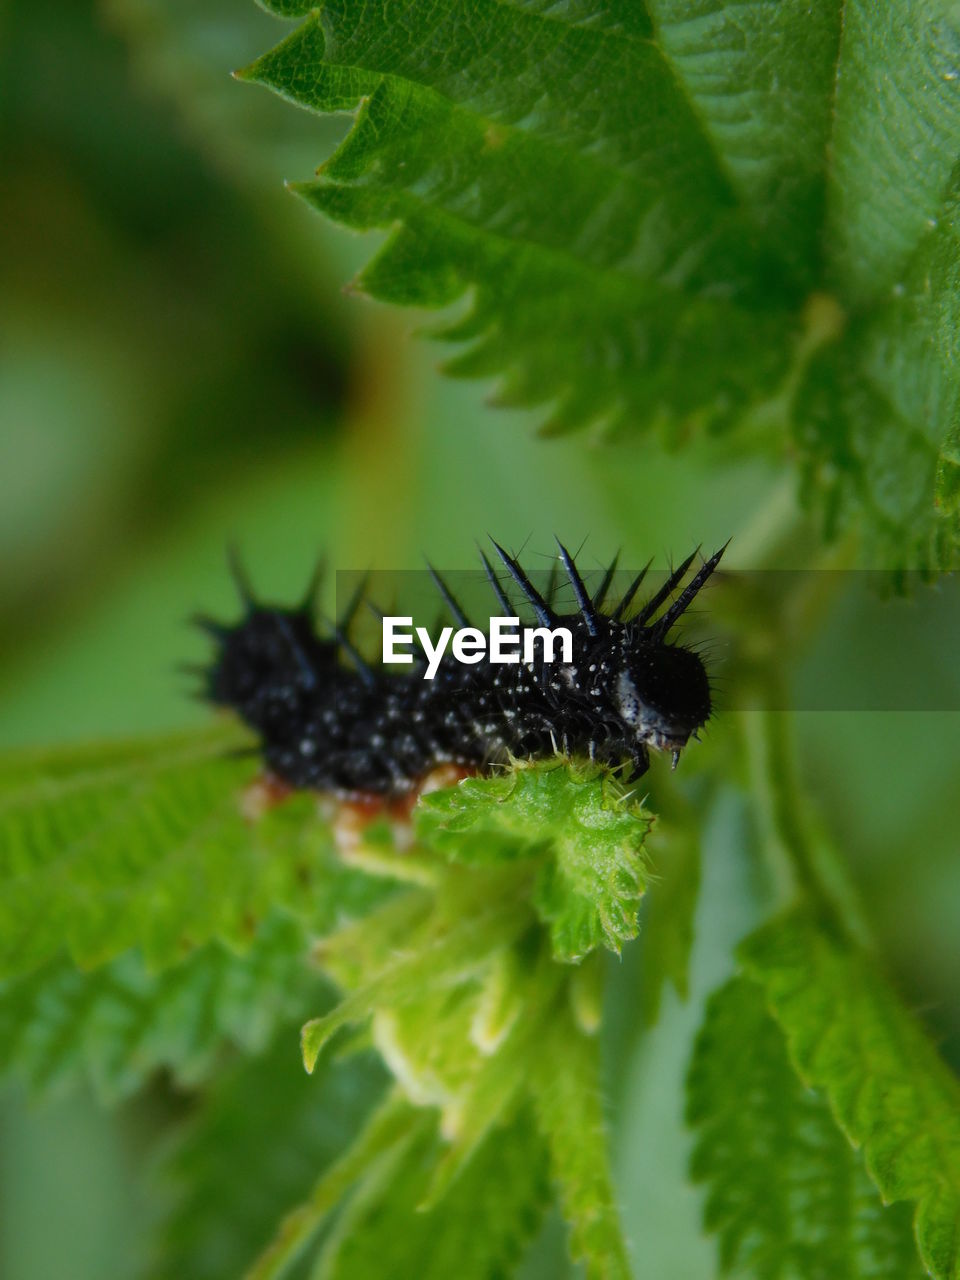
[478, 1230]
[658, 212]
[380, 1186]
[117, 1025]
[585, 829]
[878, 412]
[456, 1004]
[894, 141]
[625, 258]
[850, 1038]
[459, 985]
[788, 1196]
[471, 1077]
[472, 920]
[256, 1146]
[147, 845]
[389, 1130]
[566, 1088]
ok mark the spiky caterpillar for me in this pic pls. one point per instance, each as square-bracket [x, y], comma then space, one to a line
[328, 721]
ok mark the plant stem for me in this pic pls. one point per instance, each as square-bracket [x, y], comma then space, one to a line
[802, 860]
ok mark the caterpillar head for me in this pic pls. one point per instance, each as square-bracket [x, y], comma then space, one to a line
[662, 695]
[661, 690]
[639, 690]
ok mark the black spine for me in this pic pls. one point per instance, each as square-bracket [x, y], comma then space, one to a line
[351, 728]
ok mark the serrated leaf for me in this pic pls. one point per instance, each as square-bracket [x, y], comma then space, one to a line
[453, 945]
[489, 1093]
[117, 1025]
[850, 1037]
[641, 203]
[586, 833]
[895, 137]
[146, 845]
[478, 1229]
[255, 1147]
[467, 1004]
[625, 260]
[362, 949]
[183, 50]
[426, 1042]
[878, 410]
[566, 1091]
[787, 1195]
[388, 1131]
[456, 999]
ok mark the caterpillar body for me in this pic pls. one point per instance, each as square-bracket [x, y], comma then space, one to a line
[329, 721]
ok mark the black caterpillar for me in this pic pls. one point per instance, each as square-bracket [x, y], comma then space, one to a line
[329, 721]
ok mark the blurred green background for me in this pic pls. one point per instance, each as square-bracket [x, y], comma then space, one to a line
[179, 369]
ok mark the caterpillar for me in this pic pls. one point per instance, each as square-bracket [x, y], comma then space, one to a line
[329, 721]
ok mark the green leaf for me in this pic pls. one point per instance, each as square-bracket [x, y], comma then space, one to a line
[659, 212]
[117, 1025]
[459, 982]
[877, 413]
[625, 260]
[146, 845]
[850, 1038]
[489, 1092]
[787, 1194]
[895, 138]
[387, 1132]
[477, 1231]
[587, 833]
[566, 1088]
[452, 946]
[255, 1147]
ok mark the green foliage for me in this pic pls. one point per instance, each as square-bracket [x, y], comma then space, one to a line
[458, 985]
[594, 301]
[391, 1126]
[472, 919]
[383, 1184]
[477, 1231]
[116, 1025]
[877, 415]
[682, 217]
[584, 829]
[454, 980]
[660, 213]
[566, 1087]
[787, 1194]
[255, 1146]
[850, 1038]
[146, 845]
